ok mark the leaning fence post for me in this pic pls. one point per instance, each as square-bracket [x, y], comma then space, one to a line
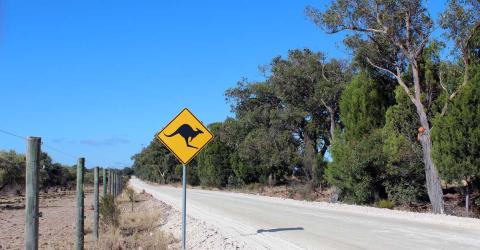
[80, 210]
[104, 182]
[95, 203]
[31, 193]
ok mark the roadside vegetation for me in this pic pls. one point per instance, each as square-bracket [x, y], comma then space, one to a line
[124, 227]
[398, 125]
[51, 175]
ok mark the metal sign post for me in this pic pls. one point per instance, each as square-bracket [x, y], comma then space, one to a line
[185, 136]
[184, 208]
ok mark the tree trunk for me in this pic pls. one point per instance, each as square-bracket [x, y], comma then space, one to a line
[467, 199]
[434, 188]
[331, 113]
[332, 124]
[309, 157]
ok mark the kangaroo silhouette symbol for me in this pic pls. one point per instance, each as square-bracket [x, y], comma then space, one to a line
[187, 132]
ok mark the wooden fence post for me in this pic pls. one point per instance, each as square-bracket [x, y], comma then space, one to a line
[95, 203]
[110, 181]
[80, 204]
[114, 184]
[104, 182]
[120, 183]
[31, 193]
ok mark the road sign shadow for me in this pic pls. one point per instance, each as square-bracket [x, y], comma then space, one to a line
[274, 230]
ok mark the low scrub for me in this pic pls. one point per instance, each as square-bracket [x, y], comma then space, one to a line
[132, 229]
[302, 191]
[109, 212]
[131, 196]
[386, 204]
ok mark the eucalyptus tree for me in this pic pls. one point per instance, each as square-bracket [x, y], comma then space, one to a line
[261, 134]
[406, 26]
[155, 163]
[309, 87]
[461, 20]
[308, 83]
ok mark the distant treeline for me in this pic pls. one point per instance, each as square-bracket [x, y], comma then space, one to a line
[388, 124]
[51, 174]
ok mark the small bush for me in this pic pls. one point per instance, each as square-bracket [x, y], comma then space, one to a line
[254, 187]
[131, 195]
[109, 212]
[302, 191]
[234, 182]
[477, 201]
[386, 204]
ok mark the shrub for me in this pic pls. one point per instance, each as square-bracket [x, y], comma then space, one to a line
[302, 191]
[109, 212]
[131, 195]
[358, 168]
[405, 174]
[386, 204]
[456, 137]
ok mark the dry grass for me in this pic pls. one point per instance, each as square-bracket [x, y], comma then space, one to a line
[115, 240]
[139, 229]
[132, 223]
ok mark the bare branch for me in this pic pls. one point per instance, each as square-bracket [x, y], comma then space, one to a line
[456, 91]
[407, 28]
[465, 74]
[444, 109]
[379, 19]
[323, 73]
[421, 46]
[356, 28]
[472, 32]
[440, 76]
[381, 68]
[330, 109]
[397, 76]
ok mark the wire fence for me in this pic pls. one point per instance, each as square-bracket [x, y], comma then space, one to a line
[54, 149]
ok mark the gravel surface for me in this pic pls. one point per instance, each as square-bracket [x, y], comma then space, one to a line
[224, 220]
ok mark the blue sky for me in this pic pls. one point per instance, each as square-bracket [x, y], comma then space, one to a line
[99, 78]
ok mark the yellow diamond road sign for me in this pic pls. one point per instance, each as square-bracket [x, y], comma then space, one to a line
[185, 136]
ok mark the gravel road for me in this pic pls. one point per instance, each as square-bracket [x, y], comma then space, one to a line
[259, 222]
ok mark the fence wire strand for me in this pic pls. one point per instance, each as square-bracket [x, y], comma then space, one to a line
[43, 144]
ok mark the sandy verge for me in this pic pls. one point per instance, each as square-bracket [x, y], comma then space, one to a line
[201, 235]
[56, 226]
